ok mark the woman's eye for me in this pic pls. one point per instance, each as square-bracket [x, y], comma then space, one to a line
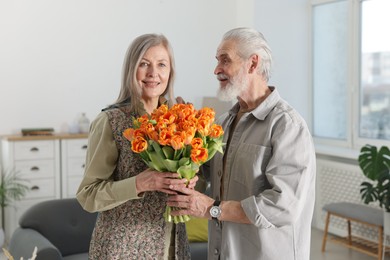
[143, 64]
[162, 65]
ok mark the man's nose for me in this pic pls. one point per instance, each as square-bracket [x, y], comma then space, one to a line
[217, 70]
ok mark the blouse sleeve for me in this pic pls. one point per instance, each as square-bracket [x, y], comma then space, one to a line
[98, 191]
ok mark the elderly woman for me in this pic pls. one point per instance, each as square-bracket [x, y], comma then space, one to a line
[129, 197]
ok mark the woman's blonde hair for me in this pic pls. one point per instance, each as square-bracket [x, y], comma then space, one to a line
[129, 88]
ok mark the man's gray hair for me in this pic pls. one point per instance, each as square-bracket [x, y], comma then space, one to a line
[249, 42]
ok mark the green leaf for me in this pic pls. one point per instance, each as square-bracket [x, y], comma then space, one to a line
[157, 161]
[187, 151]
[145, 156]
[376, 167]
[374, 163]
[168, 152]
[156, 147]
[213, 148]
[171, 165]
[178, 153]
[188, 171]
[184, 161]
[368, 192]
[151, 165]
[12, 188]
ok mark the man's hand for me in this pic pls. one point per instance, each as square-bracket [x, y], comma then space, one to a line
[190, 202]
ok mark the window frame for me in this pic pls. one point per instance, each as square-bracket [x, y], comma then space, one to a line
[352, 141]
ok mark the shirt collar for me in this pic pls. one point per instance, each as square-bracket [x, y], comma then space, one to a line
[264, 108]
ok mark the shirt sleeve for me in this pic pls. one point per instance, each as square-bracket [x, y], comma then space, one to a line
[98, 191]
[291, 175]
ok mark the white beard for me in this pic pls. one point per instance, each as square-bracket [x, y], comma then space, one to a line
[234, 88]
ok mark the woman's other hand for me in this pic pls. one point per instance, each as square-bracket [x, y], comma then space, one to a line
[151, 180]
[180, 100]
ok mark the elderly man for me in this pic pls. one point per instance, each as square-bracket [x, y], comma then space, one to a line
[263, 185]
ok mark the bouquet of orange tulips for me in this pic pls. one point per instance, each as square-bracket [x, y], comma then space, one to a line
[179, 139]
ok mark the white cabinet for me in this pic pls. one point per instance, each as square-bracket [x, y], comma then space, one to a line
[73, 152]
[52, 165]
[38, 162]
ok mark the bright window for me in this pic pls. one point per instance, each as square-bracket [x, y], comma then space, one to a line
[330, 61]
[375, 70]
[351, 71]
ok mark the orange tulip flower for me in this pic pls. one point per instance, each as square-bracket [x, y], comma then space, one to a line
[139, 144]
[199, 155]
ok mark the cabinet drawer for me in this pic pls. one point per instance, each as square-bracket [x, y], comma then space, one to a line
[76, 148]
[29, 150]
[41, 188]
[36, 168]
[76, 166]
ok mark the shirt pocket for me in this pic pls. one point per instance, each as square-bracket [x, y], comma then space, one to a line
[249, 166]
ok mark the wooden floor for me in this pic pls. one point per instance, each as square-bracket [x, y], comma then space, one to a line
[333, 251]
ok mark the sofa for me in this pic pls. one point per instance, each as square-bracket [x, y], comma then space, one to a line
[61, 229]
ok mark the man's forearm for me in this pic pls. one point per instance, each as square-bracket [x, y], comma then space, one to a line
[233, 212]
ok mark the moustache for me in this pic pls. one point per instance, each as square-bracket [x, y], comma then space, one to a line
[222, 77]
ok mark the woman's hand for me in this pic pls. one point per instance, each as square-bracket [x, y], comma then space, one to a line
[180, 100]
[151, 180]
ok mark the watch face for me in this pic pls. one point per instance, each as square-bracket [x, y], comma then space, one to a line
[215, 211]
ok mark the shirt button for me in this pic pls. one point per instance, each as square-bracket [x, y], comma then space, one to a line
[216, 251]
[217, 223]
[219, 173]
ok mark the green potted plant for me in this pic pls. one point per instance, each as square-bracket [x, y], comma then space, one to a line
[12, 188]
[375, 165]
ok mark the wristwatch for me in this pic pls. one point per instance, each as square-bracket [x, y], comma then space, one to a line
[215, 210]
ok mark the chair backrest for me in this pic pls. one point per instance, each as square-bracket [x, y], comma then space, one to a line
[63, 222]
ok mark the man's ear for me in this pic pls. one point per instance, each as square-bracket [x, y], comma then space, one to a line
[254, 63]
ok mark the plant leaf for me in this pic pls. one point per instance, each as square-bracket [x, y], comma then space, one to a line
[171, 165]
[368, 192]
[157, 161]
[188, 171]
[168, 152]
[374, 164]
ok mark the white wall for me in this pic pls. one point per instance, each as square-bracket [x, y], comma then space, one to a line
[287, 31]
[61, 58]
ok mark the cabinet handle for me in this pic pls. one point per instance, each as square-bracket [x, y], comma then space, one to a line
[34, 149]
[84, 147]
[34, 168]
[34, 187]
